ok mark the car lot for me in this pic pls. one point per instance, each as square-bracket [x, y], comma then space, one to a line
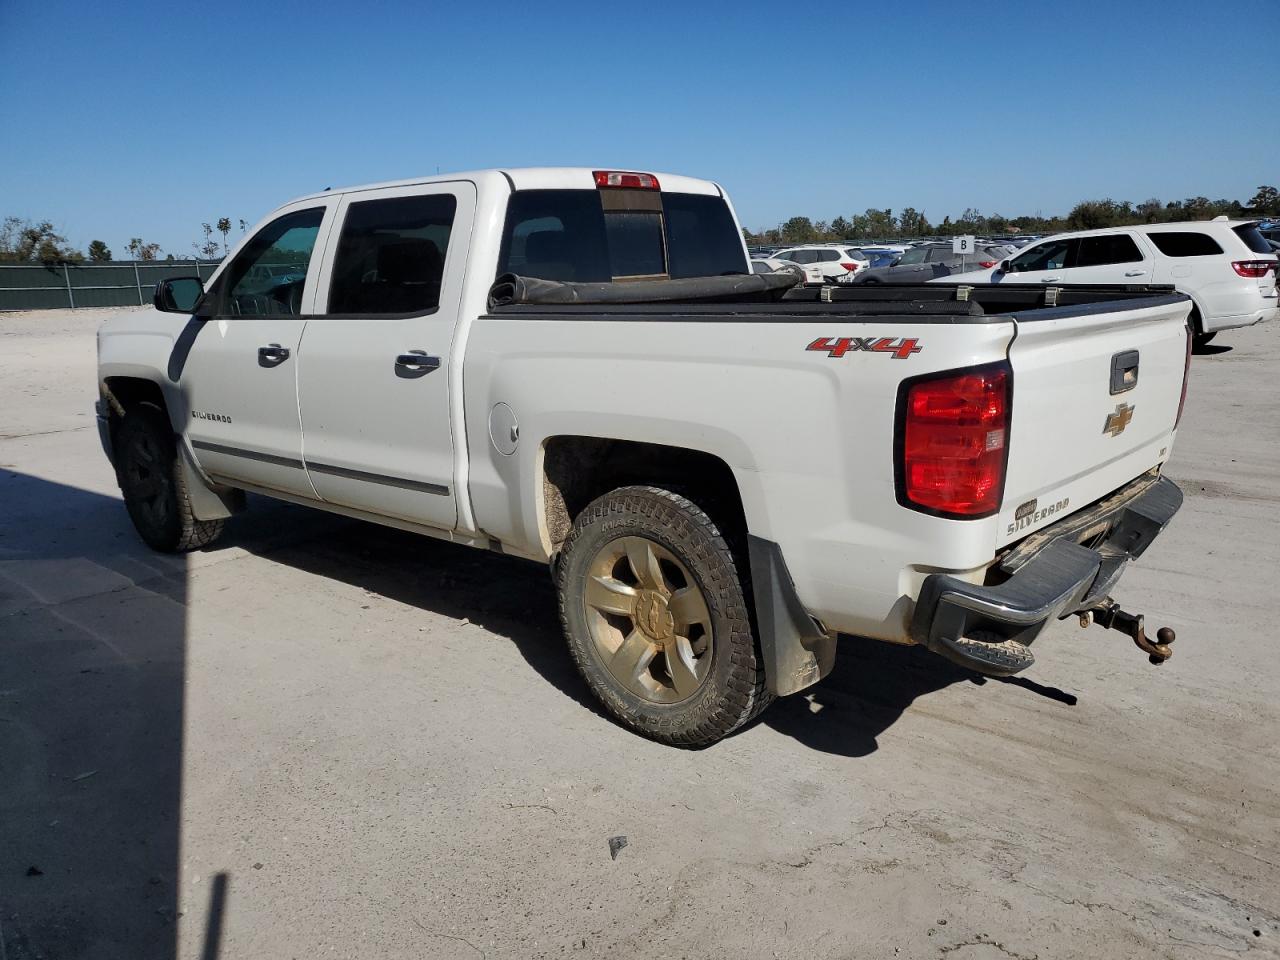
[329, 737]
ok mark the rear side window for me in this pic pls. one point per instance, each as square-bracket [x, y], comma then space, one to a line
[828, 256]
[1108, 249]
[1253, 238]
[1176, 243]
[567, 235]
[390, 256]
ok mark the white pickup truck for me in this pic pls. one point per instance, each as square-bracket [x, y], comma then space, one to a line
[576, 367]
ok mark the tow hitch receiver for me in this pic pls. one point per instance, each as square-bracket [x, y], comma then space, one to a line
[1108, 614]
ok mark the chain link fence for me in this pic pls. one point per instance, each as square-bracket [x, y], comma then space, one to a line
[119, 283]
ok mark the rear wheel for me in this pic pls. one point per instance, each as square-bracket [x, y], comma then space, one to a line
[655, 615]
[1201, 340]
[153, 484]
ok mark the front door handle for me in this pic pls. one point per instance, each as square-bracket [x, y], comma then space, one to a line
[1135, 273]
[272, 355]
[1050, 279]
[416, 361]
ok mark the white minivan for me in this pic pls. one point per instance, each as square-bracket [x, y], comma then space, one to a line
[1225, 266]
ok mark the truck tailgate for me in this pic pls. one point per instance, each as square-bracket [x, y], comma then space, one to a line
[1095, 401]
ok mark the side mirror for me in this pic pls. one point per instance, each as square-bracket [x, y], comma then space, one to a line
[178, 294]
[1004, 266]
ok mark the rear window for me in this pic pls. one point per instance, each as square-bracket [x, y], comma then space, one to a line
[567, 235]
[1252, 237]
[1188, 244]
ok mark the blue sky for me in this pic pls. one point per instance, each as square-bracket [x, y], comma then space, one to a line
[145, 119]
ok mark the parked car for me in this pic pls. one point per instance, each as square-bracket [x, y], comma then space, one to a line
[923, 263]
[825, 263]
[880, 256]
[1226, 267]
[771, 265]
[462, 364]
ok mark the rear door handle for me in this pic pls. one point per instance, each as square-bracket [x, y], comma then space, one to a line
[417, 361]
[1135, 273]
[272, 355]
[1050, 279]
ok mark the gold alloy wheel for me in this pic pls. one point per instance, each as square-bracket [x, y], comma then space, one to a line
[648, 620]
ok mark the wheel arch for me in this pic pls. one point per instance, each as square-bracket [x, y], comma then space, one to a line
[797, 650]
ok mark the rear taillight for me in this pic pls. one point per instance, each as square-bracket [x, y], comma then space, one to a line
[952, 442]
[1253, 268]
[849, 266]
[619, 178]
[987, 264]
[1186, 377]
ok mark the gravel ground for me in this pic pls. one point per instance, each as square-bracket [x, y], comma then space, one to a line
[328, 738]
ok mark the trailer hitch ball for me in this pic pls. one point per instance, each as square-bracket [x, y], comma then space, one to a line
[1109, 615]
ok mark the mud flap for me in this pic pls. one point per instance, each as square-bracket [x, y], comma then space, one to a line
[207, 502]
[797, 654]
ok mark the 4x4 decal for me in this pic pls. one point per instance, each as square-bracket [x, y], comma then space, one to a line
[900, 349]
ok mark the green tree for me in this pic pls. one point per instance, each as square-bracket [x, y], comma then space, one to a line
[139, 250]
[99, 251]
[841, 228]
[1266, 202]
[22, 241]
[224, 228]
[798, 230]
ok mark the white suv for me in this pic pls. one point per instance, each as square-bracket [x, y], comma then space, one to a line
[826, 262]
[1225, 266]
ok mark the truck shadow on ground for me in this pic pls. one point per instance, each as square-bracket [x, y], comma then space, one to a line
[872, 684]
[93, 655]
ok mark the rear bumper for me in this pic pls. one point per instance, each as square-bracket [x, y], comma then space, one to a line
[1232, 321]
[989, 628]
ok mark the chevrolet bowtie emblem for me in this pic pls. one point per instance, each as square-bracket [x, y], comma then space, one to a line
[1116, 422]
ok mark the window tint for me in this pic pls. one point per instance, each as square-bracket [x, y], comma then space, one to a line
[702, 239]
[1252, 237]
[567, 235]
[635, 243]
[804, 256]
[940, 253]
[267, 277]
[914, 255]
[390, 256]
[1107, 249]
[758, 267]
[1046, 256]
[1179, 244]
[828, 256]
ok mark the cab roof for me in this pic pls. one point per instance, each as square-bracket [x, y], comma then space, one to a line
[532, 178]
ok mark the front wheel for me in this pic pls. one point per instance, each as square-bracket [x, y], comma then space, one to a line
[153, 485]
[656, 619]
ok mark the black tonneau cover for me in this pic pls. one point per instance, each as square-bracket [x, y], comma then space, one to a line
[510, 289]
[779, 294]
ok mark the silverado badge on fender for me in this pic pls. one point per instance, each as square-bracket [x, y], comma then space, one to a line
[1116, 422]
[900, 349]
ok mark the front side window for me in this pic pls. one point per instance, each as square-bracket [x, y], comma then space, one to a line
[804, 256]
[939, 254]
[267, 277]
[914, 255]
[1107, 249]
[1046, 256]
[390, 255]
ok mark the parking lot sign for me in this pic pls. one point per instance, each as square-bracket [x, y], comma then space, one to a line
[963, 245]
